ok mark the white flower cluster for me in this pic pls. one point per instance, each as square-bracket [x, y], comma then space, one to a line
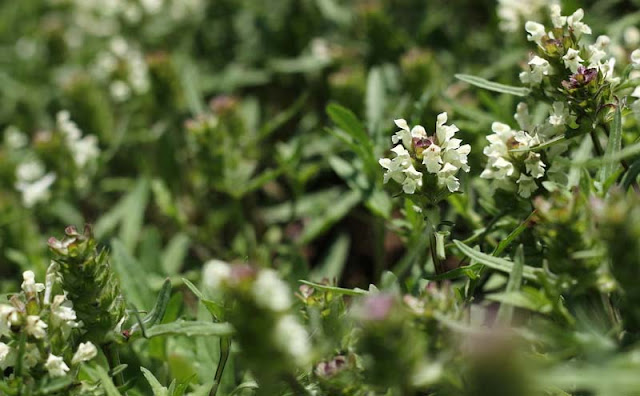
[61, 318]
[105, 18]
[273, 295]
[512, 13]
[124, 68]
[504, 166]
[83, 149]
[441, 155]
[32, 182]
[575, 60]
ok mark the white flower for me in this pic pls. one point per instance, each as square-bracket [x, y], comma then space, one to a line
[556, 18]
[292, 338]
[56, 366]
[432, 159]
[559, 114]
[631, 36]
[401, 170]
[607, 70]
[536, 32]
[85, 150]
[29, 284]
[31, 355]
[36, 191]
[512, 13]
[215, 273]
[501, 162]
[29, 170]
[597, 51]
[14, 139]
[86, 351]
[522, 116]
[574, 22]
[395, 167]
[413, 180]
[63, 315]
[405, 135]
[540, 67]
[572, 60]
[67, 127]
[271, 292]
[447, 177]
[635, 58]
[534, 165]
[526, 186]
[636, 92]
[36, 327]
[7, 356]
[5, 324]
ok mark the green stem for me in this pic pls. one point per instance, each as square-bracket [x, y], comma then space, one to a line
[225, 348]
[113, 357]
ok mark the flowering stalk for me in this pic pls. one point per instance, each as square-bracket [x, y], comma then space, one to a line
[90, 282]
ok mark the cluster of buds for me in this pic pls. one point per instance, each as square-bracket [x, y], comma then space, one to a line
[259, 304]
[90, 281]
[439, 156]
[40, 335]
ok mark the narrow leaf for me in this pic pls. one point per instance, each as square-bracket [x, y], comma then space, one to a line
[334, 289]
[493, 86]
[496, 263]
[191, 329]
[505, 313]
[613, 145]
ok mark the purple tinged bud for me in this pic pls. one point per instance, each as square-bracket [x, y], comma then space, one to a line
[377, 307]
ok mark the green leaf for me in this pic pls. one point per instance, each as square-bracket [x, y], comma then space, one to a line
[529, 298]
[215, 309]
[629, 151]
[133, 277]
[631, 175]
[245, 385]
[334, 261]
[375, 100]
[337, 290]
[493, 86]
[613, 145]
[156, 387]
[505, 313]
[157, 313]
[470, 271]
[99, 373]
[328, 218]
[498, 264]
[512, 236]
[191, 329]
[174, 254]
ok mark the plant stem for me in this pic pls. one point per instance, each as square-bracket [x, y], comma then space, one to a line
[225, 348]
[113, 357]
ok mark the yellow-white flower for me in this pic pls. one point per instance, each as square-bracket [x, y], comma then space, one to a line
[506, 167]
[36, 327]
[86, 351]
[56, 366]
[29, 284]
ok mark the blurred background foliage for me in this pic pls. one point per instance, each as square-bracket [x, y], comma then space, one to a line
[210, 120]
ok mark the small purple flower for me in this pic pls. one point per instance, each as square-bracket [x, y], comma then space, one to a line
[580, 78]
